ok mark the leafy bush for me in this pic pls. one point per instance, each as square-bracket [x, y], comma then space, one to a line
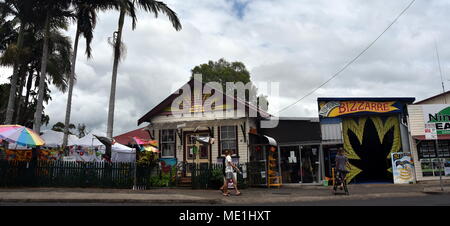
[147, 157]
[164, 179]
[216, 178]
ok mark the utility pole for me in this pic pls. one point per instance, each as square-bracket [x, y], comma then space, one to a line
[440, 70]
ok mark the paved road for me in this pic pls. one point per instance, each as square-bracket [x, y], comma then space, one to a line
[424, 200]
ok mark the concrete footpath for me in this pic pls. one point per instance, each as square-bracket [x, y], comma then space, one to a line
[251, 196]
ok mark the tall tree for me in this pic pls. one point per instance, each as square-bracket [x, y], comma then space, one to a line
[57, 14]
[82, 130]
[86, 19]
[127, 7]
[21, 10]
[222, 71]
[59, 127]
[58, 69]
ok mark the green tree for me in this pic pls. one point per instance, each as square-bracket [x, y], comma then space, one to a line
[222, 71]
[58, 66]
[82, 130]
[21, 11]
[127, 7]
[4, 90]
[86, 20]
[56, 15]
[59, 127]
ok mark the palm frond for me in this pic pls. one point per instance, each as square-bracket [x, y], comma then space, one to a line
[156, 7]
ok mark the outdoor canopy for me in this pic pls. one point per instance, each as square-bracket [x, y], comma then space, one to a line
[88, 140]
[20, 135]
[122, 153]
[54, 138]
[119, 152]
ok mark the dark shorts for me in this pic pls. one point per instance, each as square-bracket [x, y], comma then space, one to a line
[342, 173]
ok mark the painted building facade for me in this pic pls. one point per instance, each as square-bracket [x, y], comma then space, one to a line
[228, 121]
[370, 130]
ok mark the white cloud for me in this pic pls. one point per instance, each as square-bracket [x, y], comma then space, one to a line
[297, 43]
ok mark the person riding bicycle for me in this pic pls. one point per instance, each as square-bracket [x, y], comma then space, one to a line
[341, 166]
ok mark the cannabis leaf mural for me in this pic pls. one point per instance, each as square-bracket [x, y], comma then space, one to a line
[368, 157]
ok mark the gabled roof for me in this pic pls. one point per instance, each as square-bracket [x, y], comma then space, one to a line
[430, 98]
[168, 101]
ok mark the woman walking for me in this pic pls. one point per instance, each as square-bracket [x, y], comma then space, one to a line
[228, 174]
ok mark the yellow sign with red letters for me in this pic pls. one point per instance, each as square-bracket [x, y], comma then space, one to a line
[338, 108]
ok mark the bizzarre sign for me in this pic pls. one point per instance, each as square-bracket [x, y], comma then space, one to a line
[333, 109]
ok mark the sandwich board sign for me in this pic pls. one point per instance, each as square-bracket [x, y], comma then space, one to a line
[402, 168]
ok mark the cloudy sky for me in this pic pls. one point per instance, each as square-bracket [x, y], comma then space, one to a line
[298, 43]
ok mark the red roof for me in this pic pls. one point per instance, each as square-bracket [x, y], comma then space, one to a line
[127, 138]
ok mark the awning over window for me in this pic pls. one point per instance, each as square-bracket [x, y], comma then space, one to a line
[260, 139]
[271, 141]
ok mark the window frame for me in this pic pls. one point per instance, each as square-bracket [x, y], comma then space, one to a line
[427, 149]
[163, 142]
[235, 139]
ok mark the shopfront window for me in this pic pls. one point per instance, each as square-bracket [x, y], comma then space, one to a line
[228, 139]
[430, 159]
[427, 149]
[167, 143]
[434, 167]
[444, 149]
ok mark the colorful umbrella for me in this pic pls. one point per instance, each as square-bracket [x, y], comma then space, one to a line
[20, 135]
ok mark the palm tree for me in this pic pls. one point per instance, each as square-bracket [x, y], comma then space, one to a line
[56, 13]
[59, 127]
[128, 7]
[58, 67]
[21, 10]
[86, 17]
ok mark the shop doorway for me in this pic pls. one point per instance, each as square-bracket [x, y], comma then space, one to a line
[300, 164]
[196, 153]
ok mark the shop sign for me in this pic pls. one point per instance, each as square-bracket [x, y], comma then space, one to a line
[430, 131]
[340, 108]
[402, 168]
[437, 120]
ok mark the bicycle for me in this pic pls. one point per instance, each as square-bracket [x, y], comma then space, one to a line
[340, 178]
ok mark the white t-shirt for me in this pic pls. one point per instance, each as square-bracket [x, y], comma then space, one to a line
[228, 167]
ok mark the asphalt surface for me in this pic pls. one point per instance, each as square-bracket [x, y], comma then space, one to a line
[426, 200]
[365, 195]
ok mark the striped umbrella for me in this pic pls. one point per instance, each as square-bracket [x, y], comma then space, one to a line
[20, 135]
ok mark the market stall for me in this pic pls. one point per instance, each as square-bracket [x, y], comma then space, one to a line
[54, 139]
[90, 149]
